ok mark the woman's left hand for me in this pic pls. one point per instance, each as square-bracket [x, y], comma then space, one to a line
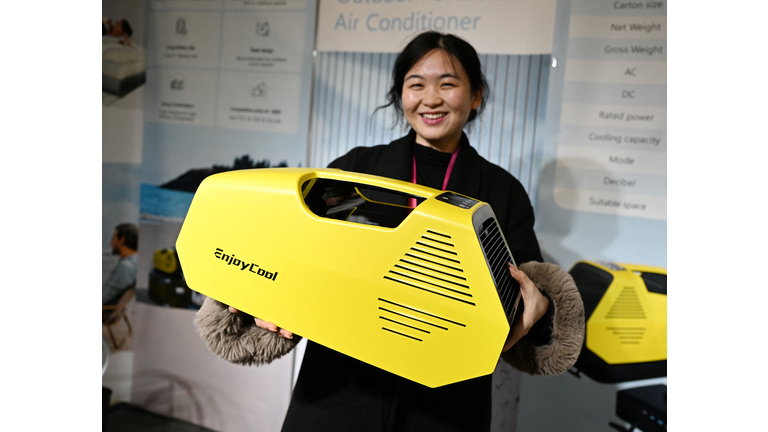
[535, 307]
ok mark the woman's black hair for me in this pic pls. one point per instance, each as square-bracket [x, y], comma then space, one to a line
[422, 45]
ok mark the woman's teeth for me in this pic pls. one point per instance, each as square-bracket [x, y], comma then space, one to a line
[433, 116]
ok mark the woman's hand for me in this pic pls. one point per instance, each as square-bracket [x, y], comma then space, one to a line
[266, 325]
[535, 307]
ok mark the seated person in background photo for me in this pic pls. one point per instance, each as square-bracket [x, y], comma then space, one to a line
[124, 242]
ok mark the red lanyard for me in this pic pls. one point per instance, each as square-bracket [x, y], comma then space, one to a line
[412, 201]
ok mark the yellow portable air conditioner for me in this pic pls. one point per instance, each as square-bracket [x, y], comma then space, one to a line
[341, 259]
[626, 310]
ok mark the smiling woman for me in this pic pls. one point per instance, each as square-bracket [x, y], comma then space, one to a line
[438, 88]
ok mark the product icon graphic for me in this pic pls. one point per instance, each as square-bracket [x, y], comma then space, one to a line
[260, 91]
[177, 84]
[181, 27]
[262, 28]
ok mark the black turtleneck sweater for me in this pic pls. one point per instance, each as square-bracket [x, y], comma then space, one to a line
[431, 166]
[335, 392]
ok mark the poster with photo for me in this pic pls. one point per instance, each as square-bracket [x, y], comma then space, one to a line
[228, 87]
[123, 67]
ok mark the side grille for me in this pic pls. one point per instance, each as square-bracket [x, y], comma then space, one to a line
[432, 267]
[497, 255]
[626, 306]
[410, 322]
[628, 335]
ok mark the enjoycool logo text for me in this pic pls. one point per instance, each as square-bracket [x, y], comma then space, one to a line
[243, 265]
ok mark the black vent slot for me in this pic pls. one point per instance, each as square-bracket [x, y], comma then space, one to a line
[655, 282]
[497, 255]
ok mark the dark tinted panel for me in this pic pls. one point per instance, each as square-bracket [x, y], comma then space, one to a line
[358, 203]
[655, 282]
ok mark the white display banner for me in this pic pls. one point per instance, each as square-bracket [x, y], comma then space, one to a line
[513, 27]
[611, 157]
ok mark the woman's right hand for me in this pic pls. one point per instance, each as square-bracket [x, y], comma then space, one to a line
[266, 325]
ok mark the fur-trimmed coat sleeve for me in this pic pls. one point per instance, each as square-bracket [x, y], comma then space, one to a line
[568, 325]
[235, 337]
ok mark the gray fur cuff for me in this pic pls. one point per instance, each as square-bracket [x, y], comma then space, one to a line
[568, 325]
[236, 339]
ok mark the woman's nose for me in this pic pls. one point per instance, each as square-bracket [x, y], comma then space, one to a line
[432, 97]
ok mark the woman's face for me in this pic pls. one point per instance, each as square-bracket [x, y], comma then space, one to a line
[437, 100]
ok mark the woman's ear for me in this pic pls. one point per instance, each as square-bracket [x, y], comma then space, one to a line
[478, 98]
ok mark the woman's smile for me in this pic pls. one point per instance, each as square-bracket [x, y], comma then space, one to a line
[433, 118]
